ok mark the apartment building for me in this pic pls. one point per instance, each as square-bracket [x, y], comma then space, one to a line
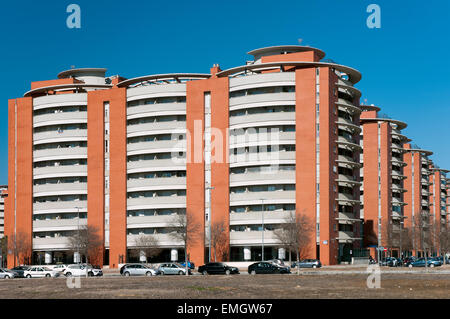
[246, 146]
[382, 189]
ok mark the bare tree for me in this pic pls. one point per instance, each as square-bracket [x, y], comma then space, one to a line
[295, 234]
[20, 246]
[187, 229]
[441, 238]
[86, 241]
[421, 233]
[218, 236]
[146, 244]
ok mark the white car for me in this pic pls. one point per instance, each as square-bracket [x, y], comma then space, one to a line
[59, 268]
[78, 270]
[39, 272]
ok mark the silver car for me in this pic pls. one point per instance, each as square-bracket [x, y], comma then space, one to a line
[172, 269]
[7, 274]
[138, 270]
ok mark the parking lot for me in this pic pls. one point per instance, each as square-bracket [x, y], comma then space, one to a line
[327, 282]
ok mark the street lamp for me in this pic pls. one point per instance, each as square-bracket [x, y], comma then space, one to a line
[210, 188]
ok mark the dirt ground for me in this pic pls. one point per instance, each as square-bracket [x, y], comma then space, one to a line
[306, 286]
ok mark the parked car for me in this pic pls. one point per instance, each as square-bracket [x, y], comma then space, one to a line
[7, 274]
[307, 263]
[276, 261]
[431, 262]
[138, 270]
[408, 260]
[191, 265]
[264, 267]
[173, 269]
[390, 262]
[441, 258]
[78, 270]
[217, 268]
[40, 271]
[20, 270]
[59, 268]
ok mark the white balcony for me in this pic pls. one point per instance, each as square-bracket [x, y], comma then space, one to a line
[250, 158]
[252, 218]
[238, 238]
[163, 240]
[161, 202]
[60, 171]
[59, 189]
[156, 183]
[278, 118]
[156, 147]
[155, 165]
[59, 118]
[60, 153]
[262, 98]
[156, 109]
[269, 197]
[66, 135]
[155, 126]
[58, 224]
[271, 177]
[63, 206]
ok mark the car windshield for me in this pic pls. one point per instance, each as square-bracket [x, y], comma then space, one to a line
[47, 269]
[178, 265]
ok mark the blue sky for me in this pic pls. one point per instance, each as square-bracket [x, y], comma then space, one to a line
[405, 63]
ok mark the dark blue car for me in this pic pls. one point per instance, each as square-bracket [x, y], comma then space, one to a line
[431, 262]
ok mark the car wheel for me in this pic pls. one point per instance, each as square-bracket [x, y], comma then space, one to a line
[127, 274]
[410, 266]
[432, 265]
[227, 272]
[90, 274]
[181, 272]
[148, 273]
[48, 275]
[253, 272]
[7, 277]
[69, 274]
[314, 266]
[162, 273]
[204, 272]
[28, 276]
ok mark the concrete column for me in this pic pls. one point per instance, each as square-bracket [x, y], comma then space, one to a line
[142, 256]
[48, 257]
[247, 253]
[76, 257]
[174, 255]
[281, 253]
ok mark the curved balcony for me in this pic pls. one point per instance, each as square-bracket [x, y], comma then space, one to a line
[60, 118]
[61, 207]
[250, 120]
[156, 147]
[346, 237]
[397, 202]
[282, 138]
[60, 171]
[158, 109]
[348, 125]
[238, 238]
[346, 199]
[347, 162]
[347, 218]
[348, 107]
[152, 91]
[262, 80]
[64, 136]
[346, 180]
[261, 99]
[348, 143]
[58, 100]
[397, 215]
[272, 177]
[158, 183]
[156, 165]
[274, 197]
[397, 162]
[398, 189]
[60, 153]
[397, 175]
[252, 218]
[58, 224]
[155, 126]
[249, 159]
[51, 243]
[59, 189]
[156, 202]
[163, 240]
